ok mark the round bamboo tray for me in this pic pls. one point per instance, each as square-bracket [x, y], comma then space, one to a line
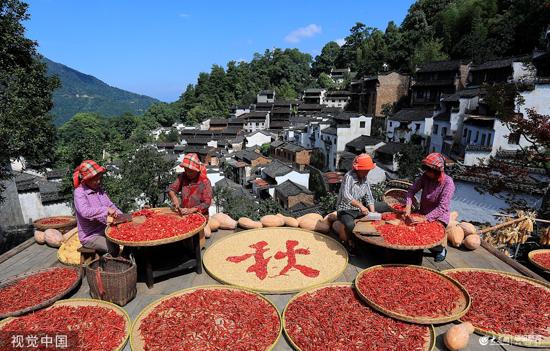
[535, 263]
[228, 273]
[71, 223]
[91, 302]
[172, 239]
[460, 310]
[46, 303]
[398, 196]
[378, 240]
[136, 342]
[430, 345]
[512, 339]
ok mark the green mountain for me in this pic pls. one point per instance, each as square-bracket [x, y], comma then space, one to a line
[81, 92]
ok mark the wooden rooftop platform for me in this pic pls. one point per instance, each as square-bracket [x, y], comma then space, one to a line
[30, 256]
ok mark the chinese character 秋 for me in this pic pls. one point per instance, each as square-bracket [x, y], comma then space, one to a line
[290, 254]
[260, 262]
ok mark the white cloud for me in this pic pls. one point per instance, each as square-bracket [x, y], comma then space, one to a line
[340, 41]
[305, 32]
[184, 15]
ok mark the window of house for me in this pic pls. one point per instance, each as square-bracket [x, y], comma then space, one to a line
[390, 123]
[483, 136]
[465, 133]
[361, 124]
[420, 94]
[444, 131]
[513, 138]
[334, 162]
[477, 137]
[417, 126]
[436, 128]
[489, 139]
[469, 136]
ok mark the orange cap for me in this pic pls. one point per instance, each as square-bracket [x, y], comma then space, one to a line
[363, 162]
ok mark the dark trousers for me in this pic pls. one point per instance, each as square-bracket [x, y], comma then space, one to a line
[348, 217]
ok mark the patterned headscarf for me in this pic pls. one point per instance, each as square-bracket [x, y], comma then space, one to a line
[435, 161]
[85, 171]
[192, 161]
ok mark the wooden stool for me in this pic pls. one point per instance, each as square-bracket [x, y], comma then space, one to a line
[87, 255]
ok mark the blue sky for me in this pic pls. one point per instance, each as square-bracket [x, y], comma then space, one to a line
[158, 47]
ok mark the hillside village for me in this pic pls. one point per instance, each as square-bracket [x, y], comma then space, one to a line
[293, 150]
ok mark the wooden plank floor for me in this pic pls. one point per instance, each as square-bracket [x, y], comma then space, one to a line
[41, 256]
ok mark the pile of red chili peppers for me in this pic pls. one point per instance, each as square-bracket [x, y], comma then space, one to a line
[420, 234]
[36, 289]
[207, 319]
[54, 220]
[334, 318]
[410, 291]
[505, 305]
[157, 226]
[88, 328]
[543, 259]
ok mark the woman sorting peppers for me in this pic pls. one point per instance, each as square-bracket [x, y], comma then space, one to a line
[194, 186]
[437, 191]
[355, 198]
[93, 207]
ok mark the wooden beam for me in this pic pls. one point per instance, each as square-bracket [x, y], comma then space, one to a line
[14, 251]
[514, 264]
[501, 225]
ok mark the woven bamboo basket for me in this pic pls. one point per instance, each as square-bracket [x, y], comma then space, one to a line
[399, 196]
[512, 339]
[460, 310]
[136, 341]
[112, 279]
[46, 303]
[170, 240]
[531, 254]
[91, 302]
[62, 227]
[430, 345]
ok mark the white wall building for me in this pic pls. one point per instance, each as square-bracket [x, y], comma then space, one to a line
[408, 122]
[265, 96]
[257, 138]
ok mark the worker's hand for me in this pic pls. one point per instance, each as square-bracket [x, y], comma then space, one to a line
[176, 206]
[365, 211]
[187, 211]
[112, 213]
[408, 211]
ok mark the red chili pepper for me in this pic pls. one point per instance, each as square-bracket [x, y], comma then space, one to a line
[208, 319]
[542, 259]
[506, 305]
[334, 318]
[88, 328]
[421, 234]
[36, 289]
[410, 291]
[54, 220]
[156, 226]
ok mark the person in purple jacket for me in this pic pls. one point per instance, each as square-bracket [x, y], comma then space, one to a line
[92, 207]
[437, 191]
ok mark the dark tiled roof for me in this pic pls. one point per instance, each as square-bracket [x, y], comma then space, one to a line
[339, 70]
[279, 124]
[346, 160]
[301, 209]
[362, 141]
[277, 169]
[235, 188]
[493, 64]
[201, 150]
[329, 130]
[248, 155]
[443, 116]
[281, 110]
[277, 143]
[49, 192]
[166, 145]
[313, 90]
[465, 93]
[432, 83]
[478, 148]
[26, 182]
[266, 92]
[218, 122]
[286, 102]
[411, 114]
[289, 188]
[480, 122]
[198, 140]
[292, 147]
[56, 173]
[440, 66]
[310, 107]
[390, 148]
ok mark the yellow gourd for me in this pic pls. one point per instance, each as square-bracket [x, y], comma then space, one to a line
[214, 224]
[472, 242]
[247, 223]
[225, 221]
[455, 235]
[272, 221]
[458, 336]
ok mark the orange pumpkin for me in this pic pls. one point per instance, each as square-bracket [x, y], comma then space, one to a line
[272, 221]
[248, 223]
[472, 242]
[468, 228]
[458, 336]
[225, 221]
[455, 235]
[214, 224]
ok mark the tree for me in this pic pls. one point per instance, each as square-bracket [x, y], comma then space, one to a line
[328, 203]
[26, 128]
[326, 60]
[325, 81]
[409, 160]
[269, 207]
[233, 205]
[430, 50]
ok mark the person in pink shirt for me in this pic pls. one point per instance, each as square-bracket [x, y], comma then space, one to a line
[93, 207]
[437, 191]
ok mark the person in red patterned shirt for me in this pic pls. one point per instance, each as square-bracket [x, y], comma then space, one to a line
[194, 186]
